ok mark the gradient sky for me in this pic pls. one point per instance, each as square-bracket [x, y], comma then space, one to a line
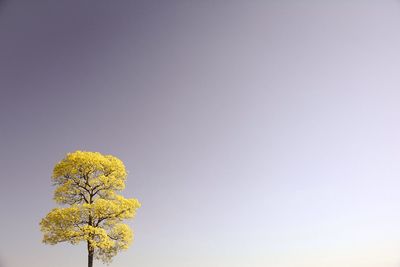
[256, 133]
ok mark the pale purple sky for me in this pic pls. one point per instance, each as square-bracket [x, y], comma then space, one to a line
[256, 133]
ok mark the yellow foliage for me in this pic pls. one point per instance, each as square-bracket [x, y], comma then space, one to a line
[88, 182]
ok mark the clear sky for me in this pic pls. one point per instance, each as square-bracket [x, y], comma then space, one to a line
[256, 133]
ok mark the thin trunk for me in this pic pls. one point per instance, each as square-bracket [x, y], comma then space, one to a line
[89, 247]
[90, 255]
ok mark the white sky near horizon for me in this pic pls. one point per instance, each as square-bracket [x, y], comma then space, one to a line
[256, 133]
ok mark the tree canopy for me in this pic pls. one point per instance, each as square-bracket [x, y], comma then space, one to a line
[87, 185]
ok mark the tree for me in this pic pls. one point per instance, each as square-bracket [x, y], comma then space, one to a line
[87, 185]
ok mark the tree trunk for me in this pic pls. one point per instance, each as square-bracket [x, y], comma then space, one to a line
[90, 256]
[89, 247]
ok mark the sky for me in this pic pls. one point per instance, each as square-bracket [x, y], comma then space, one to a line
[255, 133]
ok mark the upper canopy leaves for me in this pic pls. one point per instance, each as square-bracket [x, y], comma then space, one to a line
[82, 176]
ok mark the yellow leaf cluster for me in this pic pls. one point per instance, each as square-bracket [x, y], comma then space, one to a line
[83, 175]
[88, 182]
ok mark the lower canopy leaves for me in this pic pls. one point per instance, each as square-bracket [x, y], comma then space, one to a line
[99, 223]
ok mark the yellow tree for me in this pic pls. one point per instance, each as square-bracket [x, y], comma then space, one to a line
[87, 184]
